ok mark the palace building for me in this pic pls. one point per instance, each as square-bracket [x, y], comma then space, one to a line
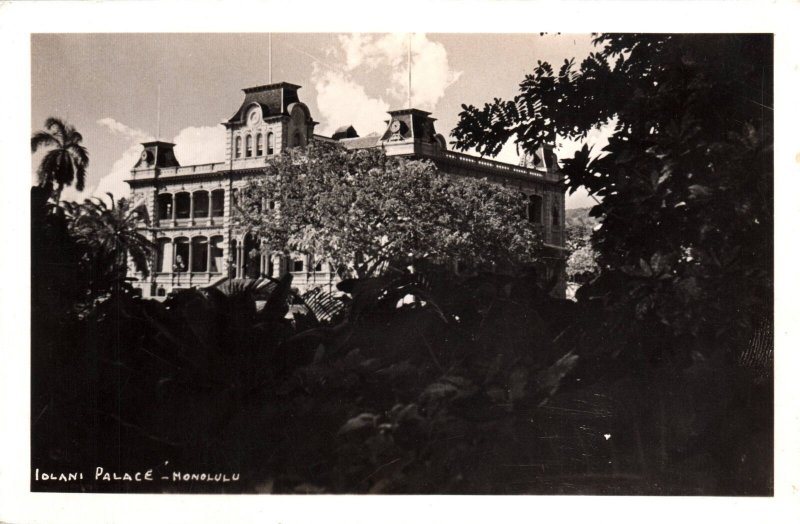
[190, 208]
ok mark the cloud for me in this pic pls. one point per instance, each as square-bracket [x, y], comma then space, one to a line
[193, 145]
[342, 101]
[114, 181]
[118, 128]
[200, 145]
[342, 98]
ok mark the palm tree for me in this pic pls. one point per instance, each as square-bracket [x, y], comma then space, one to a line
[66, 162]
[110, 236]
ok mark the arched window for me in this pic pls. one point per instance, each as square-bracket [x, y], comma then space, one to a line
[164, 255]
[535, 209]
[200, 204]
[248, 146]
[182, 205]
[259, 144]
[164, 206]
[215, 258]
[298, 141]
[199, 254]
[270, 144]
[238, 147]
[218, 203]
[181, 262]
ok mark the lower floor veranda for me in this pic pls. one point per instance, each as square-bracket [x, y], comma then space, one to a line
[183, 260]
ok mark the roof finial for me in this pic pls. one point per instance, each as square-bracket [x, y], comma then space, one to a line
[408, 60]
[158, 113]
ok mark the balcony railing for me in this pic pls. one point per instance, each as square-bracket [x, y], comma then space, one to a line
[466, 160]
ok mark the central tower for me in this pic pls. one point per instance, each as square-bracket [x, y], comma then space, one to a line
[270, 119]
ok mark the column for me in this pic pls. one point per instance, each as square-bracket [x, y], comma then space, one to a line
[262, 261]
[173, 210]
[191, 213]
[172, 254]
[189, 263]
[208, 257]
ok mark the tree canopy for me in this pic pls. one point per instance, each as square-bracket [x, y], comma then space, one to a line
[579, 226]
[66, 162]
[685, 181]
[108, 237]
[364, 211]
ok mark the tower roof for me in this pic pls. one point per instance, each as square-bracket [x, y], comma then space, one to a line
[274, 100]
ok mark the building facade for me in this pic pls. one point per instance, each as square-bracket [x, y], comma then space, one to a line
[191, 208]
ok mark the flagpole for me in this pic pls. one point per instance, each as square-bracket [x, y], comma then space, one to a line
[158, 113]
[270, 58]
[408, 62]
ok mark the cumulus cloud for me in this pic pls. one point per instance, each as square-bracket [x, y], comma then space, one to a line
[341, 93]
[114, 181]
[118, 128]
[342, 101]
[193, 145]
[200, 145]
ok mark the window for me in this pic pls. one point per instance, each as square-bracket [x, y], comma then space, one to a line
[218, 203]
[182, 205]
[556, 221]
[297, 265]
[270, 144]
[259, 144]
[164, 206]
[248, 146]
[238, 147]
[200, 204]
[318, 265]
[551, 159]
[199, 254]
[535, 209]
[181, 262]
[297, 140]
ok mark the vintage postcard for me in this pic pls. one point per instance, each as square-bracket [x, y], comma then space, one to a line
[295, 261]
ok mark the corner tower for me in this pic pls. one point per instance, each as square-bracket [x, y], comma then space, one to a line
[156, 154]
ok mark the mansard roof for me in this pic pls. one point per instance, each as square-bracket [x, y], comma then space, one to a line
[274, 100]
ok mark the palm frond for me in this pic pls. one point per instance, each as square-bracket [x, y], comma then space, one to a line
[80, 177]
[80, 154]
[42, 139]
[57, 126]
[73, 136]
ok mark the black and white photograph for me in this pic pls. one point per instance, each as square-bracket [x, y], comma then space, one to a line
[408, 262]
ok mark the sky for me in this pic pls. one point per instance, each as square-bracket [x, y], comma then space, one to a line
[107, 85]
